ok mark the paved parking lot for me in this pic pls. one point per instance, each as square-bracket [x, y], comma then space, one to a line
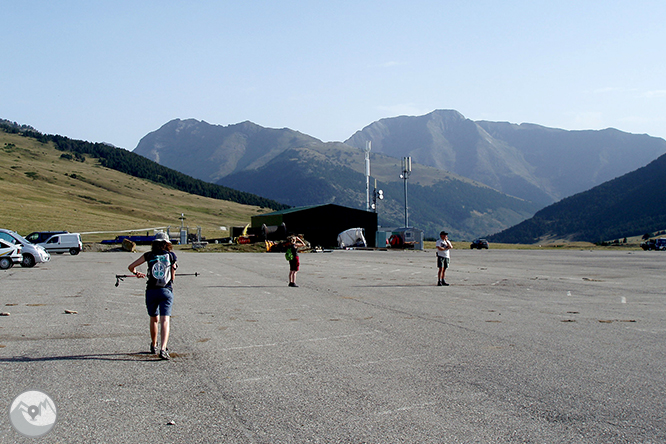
[524, 346]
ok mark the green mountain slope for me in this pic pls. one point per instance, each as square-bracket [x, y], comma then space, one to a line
[630, 205]
[46, 189]
[138, 166]
[306, 176]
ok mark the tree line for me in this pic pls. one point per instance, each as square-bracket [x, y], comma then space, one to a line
[629, 205]
[138, 166]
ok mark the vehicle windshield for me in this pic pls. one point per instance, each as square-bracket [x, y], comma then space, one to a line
[32, 237]
[20, 238]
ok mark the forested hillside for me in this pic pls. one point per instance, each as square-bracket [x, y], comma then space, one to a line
[305, 176]
[630, 205]
[138, 166]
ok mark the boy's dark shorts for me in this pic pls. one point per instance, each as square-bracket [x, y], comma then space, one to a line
[159, 301]
[294, 264]
[443, 262]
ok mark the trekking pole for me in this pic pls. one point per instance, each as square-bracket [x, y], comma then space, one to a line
[121, 277]
[187, 274]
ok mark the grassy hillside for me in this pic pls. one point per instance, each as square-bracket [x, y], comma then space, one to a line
[42, 190]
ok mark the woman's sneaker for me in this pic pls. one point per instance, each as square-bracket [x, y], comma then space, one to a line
[153, 349]
[164, 354]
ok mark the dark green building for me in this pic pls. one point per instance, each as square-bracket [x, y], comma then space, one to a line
[321, 224]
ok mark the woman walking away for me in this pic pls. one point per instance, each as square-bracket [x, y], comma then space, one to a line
[162, 266]
[293, 242]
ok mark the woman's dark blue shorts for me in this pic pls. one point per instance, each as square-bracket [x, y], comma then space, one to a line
[159, 301]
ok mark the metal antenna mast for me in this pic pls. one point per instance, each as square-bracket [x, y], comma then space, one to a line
[367, 175]
[406, 171]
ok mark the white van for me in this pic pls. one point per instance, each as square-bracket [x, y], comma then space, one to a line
[60, 243]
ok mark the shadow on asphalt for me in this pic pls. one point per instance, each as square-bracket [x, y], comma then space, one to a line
[246, 286]
[142, 356]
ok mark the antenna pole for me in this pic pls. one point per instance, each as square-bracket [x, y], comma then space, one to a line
[368, 147]
[406, 171]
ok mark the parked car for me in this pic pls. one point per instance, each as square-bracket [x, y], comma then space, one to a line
[654, 244]
[63, 242]
[31, 254]
[10, 254]
[479, 244]
[37, 237]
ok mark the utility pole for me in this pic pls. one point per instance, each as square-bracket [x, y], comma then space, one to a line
[367, 175]
[406, 171]
[183, 232]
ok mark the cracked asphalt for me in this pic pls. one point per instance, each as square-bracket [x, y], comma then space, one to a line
[525, 346]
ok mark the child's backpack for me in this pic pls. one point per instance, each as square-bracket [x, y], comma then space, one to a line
[289, 255]
[159, 269]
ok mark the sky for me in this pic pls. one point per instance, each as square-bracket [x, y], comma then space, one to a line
[115, 71]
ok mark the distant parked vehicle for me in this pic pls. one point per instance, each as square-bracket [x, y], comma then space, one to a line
[654, 244]
[479, 244]
[139, 240]
[31, 254]
[10, 254]
[63, 242]
[37, 237]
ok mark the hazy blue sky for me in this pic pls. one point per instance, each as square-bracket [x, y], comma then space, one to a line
[113, 71]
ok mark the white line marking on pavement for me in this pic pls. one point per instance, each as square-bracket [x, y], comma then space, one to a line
[274, 344]
[404, 409]
[381, 361]
[264, 378]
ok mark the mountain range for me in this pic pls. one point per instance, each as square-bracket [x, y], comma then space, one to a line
[292, 168]
[529, 161]
[473, 178]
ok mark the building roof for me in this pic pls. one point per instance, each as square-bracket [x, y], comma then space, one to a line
[296, 209]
